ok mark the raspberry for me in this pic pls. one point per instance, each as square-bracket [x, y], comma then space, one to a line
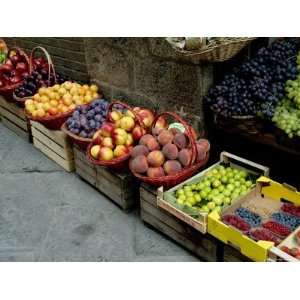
[277, 228]
[236, 222]
[265, 235]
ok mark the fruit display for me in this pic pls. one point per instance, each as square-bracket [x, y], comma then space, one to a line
[257, 85]
[87, 119]
[164, 152]
[37, 79]
[277, 228]
[291, 209]
[253, 219]
[216, 189]
[237, 222]
[287, 220]
[15, 68]
[263, 234]
[293, 251]
[60, 98]
[124, 128]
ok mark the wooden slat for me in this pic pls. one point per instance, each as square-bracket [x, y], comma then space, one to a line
[65, 153]
[179, 238]
[13, 118]
[12, 108]
[68, 165]
[82, 173]
[87, 169]
[56, 135]
[16, 129]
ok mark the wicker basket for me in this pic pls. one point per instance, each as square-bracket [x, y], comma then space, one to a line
[7, 91]
[51, 122]
[219, 52]
[115, 163]
[188, 171]
[51, 70]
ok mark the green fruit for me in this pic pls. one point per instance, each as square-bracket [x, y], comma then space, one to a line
[182, 197]
[207, 190]
[224, 179]
[235, 171]
[211, 205]
[230, 187]
[204, 208]
[180, 192]
[227, 193]
[187, 188]
[216, 183]
[221, 188]
[243, 174]
[214, 171]
[230, 175]
[227, 200]
[237, 177]
[191, 200]
[207, 183]
[237, 184]
[217, 209]
[215, 192]
[197, 197]
[234, 195]
[248, 183]
[244, 188]
[201, 185]
[231, 180]
[218, 200]
[203, 194]
[180, 201]
[193, 186]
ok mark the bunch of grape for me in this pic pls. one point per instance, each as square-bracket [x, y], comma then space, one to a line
[287, 118]
[256, 86]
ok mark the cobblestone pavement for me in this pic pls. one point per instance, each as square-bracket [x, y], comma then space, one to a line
[47, 214]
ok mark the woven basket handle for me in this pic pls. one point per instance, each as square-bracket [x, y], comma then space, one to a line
[22, 53]
[187, 132]
[114, 102]
[49, 61]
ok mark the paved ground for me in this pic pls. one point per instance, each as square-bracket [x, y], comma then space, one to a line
[47, 214]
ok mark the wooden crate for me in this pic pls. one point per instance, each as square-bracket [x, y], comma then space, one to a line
[55, 144]
[121, 187]
[202, 245]
[230, 254]
[13, 117]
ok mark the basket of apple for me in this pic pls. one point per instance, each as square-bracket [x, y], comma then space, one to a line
[13, 72]
[43, 75]
[112, 144]
[52, 106]
[170, 154]
[85, 121]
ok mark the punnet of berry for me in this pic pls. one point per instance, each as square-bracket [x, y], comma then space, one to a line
[262, 234]
[236, 222]
[277, 228]
[251, 218]
[291, 209]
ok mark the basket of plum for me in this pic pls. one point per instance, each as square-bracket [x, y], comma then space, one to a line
[42, 75]
[170, 154]
[85, 121]
[13, 72]
[112, 144]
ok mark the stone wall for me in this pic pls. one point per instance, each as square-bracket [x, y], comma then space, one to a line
[142, 71]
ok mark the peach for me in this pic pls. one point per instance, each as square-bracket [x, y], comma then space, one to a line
[180, 140]
[139, 164]
[165, 137]
[106, 153]
[108, 142]
[150, 142]
[205, 143]
[156, 172]
[156, 131]
[139, 150]
[95, 151]
[155, 158]
[170, 151]
[185, 156]
[201, 151]
[120, 150]
[172, 167]
[138, 132]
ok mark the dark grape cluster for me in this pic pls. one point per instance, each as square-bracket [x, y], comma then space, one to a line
[36, 80]
[87, 119]
[257, 85]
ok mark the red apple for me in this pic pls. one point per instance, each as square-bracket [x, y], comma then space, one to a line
[120, 150]
[106, 153]
[108, 142]
[127, 123]
[147, 117]
[95, 151]
[115, 116]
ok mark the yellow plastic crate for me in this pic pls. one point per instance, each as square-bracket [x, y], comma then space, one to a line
[255, 250]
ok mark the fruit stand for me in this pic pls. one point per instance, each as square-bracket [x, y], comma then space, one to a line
[216, 204]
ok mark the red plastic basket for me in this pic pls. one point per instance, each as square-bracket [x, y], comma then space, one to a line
[7, 91]
[185, 173]
[51, 70]
[115, 163]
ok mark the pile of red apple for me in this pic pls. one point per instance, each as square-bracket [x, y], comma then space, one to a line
[14, 70]
[116, 138]
[164, 152]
